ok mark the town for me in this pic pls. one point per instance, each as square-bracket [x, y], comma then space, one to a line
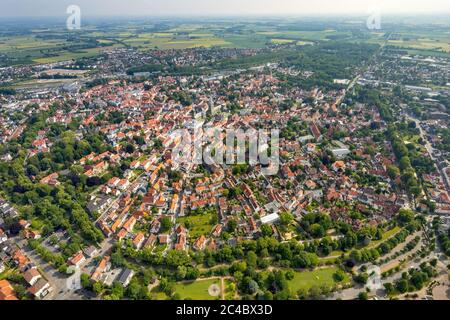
[93, 205]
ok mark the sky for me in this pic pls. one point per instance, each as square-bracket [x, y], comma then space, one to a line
[37, 8]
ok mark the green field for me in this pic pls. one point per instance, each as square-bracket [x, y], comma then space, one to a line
[168, 40]
[422, 44]
[306, 279]
[282, 41]
[323, 35]
[196, 290]
[200, 224]
[47, 45]
[72, 55]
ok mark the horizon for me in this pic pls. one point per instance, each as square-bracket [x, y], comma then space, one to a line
[217, 8]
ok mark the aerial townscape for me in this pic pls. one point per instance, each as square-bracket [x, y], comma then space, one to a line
[93, 205]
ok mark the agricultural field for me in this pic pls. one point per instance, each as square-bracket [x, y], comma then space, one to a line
[47, 45]
[324, 35]
[172, 41]
[72, 55]
[423, 44]
[10, 44]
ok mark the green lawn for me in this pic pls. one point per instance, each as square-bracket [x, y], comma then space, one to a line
[307, 279]
[158, 295]
[196, 290]
[200, 224]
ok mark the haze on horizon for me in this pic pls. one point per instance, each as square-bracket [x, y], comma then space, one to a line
[47, 8]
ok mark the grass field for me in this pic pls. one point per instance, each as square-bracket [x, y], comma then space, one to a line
[282, 41]
[47, 45]
[422, 44]
[307, 279]
[196, 290]
[70, 55]
[305, 35]
[200, 224]
[26, 42]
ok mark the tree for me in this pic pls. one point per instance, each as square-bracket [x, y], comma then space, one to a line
[97, 288]
[405, 216]
[317, 231]
[118, 290]
[402, 285]
[85, 281]
[286, 219]
[339, 276]
[314, 293]
[252, 259]
[363, 296]
[266, 230]
[389, 288]
[129, 148]
[393, 172]
[290, 275]
[181, 272]
[302, 293]
[166, 224]
[176, 258]
[134, 290]
[361, 278]
[231, 225]
[268, 295]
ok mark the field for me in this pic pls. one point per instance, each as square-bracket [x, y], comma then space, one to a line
[72, 55]
[169, 40]
[197, 290]
[422, 44]
[32, 49]
[8, 44]
[306, 279]
[47, 45]
[324, 35]
[200, 224]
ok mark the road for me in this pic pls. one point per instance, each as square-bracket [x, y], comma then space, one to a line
[63, 285]
[361, 72]
[430, 150]
[441, 267]
[56, 280]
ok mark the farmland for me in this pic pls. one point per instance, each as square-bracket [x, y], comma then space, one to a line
[48, 45]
